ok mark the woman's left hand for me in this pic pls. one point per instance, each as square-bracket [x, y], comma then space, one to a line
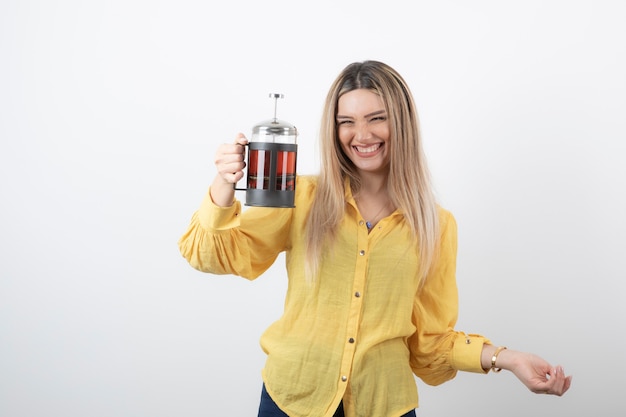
[538, 375]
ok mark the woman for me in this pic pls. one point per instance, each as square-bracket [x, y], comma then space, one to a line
[370, 257]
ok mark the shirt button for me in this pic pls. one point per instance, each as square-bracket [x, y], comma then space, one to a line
[344, 378]
[361, 252]
[351, 340]
[357, 294]
[361, 223]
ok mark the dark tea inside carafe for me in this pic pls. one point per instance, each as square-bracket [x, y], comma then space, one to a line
[286, 171]
[259, 169]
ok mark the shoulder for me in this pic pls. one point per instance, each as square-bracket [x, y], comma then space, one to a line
[444, 213]
[446, 220]
[306, 183]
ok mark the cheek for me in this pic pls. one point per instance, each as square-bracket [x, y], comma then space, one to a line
[382, 132]
[344, 138]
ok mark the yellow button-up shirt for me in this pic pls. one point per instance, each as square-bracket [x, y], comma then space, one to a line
[363, 330]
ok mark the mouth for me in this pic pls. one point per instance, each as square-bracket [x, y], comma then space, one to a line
[369, 149]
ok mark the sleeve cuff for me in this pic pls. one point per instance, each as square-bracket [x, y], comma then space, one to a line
[467, 351]
[214, 217]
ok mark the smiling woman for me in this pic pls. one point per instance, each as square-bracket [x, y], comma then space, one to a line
[376, 92]
[371, 260]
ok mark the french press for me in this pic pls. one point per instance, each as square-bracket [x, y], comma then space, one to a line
[272, 149]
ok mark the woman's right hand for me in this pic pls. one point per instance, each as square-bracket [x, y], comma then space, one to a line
[230, 162]
[229, 159]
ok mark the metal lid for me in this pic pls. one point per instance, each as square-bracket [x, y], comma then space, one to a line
[275, 126]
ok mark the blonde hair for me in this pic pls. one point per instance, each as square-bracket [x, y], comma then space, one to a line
[408, 182]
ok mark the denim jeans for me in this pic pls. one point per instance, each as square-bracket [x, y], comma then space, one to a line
[268, 408]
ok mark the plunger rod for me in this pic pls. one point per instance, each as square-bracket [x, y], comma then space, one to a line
[276, 96]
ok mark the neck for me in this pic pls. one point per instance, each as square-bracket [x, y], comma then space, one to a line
[372, 184]
[373, 200]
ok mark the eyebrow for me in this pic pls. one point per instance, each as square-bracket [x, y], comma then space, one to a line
[375, 113]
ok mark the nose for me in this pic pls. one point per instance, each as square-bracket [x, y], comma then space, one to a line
[362, 131]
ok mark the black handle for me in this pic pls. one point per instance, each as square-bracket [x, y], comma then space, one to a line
[245, 158]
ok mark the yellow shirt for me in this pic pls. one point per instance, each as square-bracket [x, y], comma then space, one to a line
[363, 330]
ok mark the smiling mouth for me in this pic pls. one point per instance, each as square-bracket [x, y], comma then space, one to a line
[369, 149]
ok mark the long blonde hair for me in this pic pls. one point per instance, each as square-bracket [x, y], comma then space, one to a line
[408, 182]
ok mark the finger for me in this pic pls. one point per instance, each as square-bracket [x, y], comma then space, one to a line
[544, 384]
[564, 382]
[229, 158]
[558, 383]
[557, 379]
[235, 167]
[230, 148]
[241, 139]
[568, 383]
[232, 178]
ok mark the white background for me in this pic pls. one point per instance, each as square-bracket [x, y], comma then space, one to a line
[110, 113]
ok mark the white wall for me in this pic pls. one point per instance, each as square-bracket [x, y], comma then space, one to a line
[110, 113]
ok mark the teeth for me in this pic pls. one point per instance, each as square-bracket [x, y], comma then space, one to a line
[369, 149]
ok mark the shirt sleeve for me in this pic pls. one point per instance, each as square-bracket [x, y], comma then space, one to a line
[438, 351]
[227, 240]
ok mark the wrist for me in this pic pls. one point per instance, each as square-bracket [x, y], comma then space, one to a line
[505, 359]
[222, 192]
[494, 358]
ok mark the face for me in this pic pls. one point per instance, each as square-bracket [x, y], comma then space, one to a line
[363, 130]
